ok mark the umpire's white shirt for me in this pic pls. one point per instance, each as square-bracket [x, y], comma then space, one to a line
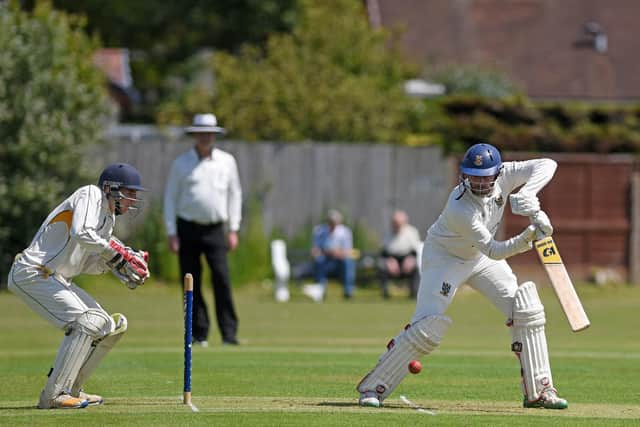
[467, 225]
[204, 191]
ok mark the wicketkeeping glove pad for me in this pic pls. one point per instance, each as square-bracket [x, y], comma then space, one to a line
[128, 265]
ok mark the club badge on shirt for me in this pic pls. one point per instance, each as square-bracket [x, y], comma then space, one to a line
[499, 200]
[446, 288]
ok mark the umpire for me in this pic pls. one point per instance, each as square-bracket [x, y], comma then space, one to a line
[202, 195]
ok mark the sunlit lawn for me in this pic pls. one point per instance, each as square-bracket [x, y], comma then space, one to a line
[299, 363]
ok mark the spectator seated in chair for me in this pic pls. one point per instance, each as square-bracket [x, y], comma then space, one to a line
[333, 254]
[399, 258]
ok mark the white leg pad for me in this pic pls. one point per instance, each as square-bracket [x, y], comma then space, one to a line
[413, 343]
[529, 341]
[281, 270]
[99, 350]
[90, 326]
[279, 261]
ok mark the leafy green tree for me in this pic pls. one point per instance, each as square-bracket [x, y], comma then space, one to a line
[163, 34]
[52, 103]
[334, 78]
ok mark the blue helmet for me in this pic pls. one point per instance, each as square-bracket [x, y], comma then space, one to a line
[120, 175]
[481, 160]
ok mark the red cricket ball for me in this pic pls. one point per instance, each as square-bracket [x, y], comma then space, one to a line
[415, 366]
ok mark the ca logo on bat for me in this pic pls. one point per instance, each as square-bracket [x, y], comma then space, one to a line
[547, 251]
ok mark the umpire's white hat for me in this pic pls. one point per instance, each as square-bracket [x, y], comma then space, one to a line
[205, 123]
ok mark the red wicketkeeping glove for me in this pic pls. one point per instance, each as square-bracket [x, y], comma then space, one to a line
[132, 264]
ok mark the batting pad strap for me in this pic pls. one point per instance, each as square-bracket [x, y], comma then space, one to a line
[414, 342]
[529, 341]
[98, 351]
[95, 323]
[527, 307]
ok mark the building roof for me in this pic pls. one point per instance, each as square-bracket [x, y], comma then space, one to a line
[584, 49]
[115, 64]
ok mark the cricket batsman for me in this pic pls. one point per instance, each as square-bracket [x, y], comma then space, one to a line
[77, 238]
[460, 247]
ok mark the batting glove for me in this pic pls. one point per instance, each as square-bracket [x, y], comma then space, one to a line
[523, 241]
[524, 204]
[543, 224]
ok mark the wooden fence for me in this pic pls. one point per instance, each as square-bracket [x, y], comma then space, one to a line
[590, 204]
[295, 184]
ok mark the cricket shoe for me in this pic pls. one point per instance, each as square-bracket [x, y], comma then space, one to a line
[370, 399]
[548, 399]
[230, 341]
[93, 399]
[62, 401]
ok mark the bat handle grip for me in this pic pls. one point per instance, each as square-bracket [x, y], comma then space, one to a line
[539, 234]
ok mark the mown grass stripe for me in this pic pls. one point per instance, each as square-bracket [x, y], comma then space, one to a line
[608, 355]
[244, 404]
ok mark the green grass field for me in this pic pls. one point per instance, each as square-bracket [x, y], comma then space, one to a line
[299, 363]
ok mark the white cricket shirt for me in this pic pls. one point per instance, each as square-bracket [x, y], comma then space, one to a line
[468, 223]
[72, 237]
[204, 191]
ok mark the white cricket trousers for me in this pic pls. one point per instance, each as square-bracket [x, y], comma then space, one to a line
[57, 300]
[442, 275]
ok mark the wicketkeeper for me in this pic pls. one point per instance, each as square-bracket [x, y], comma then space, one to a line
[460, 248]
[76, 238]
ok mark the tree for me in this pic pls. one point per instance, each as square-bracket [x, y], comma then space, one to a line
[333, 78]
[52, 104]
[162, 34]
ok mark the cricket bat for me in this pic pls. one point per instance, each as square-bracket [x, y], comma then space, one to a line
[562, 285]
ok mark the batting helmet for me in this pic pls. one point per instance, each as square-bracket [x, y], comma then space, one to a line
[481, 160]
[121, 175]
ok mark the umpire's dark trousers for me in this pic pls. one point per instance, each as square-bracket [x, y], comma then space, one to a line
[210, 240]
